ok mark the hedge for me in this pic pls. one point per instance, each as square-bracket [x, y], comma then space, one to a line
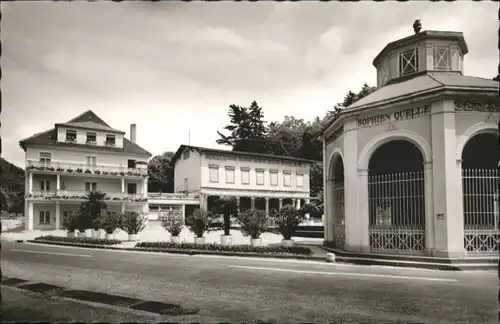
[298, 250]
[78, 240]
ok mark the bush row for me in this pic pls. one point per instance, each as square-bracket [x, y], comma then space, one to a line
[80, 240]
[220, 248]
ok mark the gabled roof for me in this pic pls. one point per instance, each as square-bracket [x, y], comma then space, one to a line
[429, 82]
[49, 137]
[91, 121]
[218, 151]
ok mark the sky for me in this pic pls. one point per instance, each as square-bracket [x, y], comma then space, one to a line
[173, 68]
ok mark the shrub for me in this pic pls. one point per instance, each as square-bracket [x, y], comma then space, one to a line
[60, 169]
[288, 219]
[51, 169]
[122, 173]
[88, 171]
[173, 223]
[253, 223]
[97, 172]
[97, 222]
[79, 170]
[132, 223]
[111, 222]
[83, 221]
[199, 222]
[104, 172]
[79, 240]
[298, 250]
[69, 170]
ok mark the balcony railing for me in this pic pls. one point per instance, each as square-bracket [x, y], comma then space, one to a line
[74, 195]
[182, 188]
[84, 169]
[168, 196]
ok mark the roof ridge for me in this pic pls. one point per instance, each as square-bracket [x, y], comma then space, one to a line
[98, 120]
[433, 78]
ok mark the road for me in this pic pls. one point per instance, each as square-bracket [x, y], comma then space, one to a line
[233, 289]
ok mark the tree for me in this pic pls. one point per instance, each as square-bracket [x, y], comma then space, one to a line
[247, 129]
[94, 206]
[161, 173]
[226, 206]
[11, 187]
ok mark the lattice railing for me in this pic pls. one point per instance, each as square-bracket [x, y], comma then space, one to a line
[397, 212]
[481, 234]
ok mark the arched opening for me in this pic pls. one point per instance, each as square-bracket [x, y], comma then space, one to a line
[396, 198]
[337, 194]
[480, 157]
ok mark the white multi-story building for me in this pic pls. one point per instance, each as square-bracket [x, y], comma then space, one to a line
[259, 181]
[82, 155]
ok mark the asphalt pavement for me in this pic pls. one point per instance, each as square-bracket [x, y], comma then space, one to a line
[236, 289]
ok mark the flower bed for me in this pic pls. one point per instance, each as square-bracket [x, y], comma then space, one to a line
[77, 240]
[242, 249]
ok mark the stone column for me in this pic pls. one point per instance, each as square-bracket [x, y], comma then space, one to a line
[280, 203]
[183, 213]
[58, 213]
[30, 216]
[123, 207]
[448, 211]
[123, 185]
[238, 203]
[267, 206]
[298, 203]
[429, 209]
[355, 194]
[30, 187]
[145, 187]
[58, 183]
[252, 206]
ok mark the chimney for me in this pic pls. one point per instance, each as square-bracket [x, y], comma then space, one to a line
[133, 133]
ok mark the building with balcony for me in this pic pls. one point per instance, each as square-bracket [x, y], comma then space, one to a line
[82, 155]
[412, 167]
[258, 181]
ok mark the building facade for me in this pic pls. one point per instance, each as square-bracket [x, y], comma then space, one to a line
[258, 181]
[412, 167]
[84, 154]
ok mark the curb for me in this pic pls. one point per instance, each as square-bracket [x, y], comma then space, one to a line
[184, 251]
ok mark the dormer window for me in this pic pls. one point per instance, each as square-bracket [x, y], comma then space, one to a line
[70, 135]
[442, 58]
[110, 140]
[91, 138]
[408, 62]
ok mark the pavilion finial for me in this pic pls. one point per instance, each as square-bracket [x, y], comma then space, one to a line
[417, 26]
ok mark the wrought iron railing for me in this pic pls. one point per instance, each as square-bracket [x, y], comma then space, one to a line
[78, 195]
[397, 212]
[481, 234]
[83, 168]
[173, 196]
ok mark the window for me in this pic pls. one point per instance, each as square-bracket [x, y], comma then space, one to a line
[185, 155]
[45, 157]
[287, 179]
[245, 175]
[229, 174]
[90, 186]
[44, 185]
[259, 174]
[274, 178]
[44, 217]
[408, 62]
[91, 161]
[91, 138]
[70, 135]
[132, 188]
[441, 58]
[300, 180]
[213, 173]
[154, 207]
[110, 140]
[131, 164]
